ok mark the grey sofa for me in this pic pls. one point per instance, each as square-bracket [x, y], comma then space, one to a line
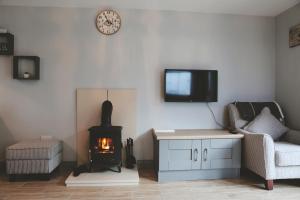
[269, 159]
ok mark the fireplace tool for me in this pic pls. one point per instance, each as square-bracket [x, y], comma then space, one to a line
[130, 159]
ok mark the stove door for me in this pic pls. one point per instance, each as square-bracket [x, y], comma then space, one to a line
[106, 148]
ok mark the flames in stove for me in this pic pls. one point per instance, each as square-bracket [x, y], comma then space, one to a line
[105, 145]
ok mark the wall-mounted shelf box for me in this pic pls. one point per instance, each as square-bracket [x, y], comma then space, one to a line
[6, 44]
[29, 64]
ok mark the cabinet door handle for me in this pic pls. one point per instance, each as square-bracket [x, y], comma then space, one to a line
[195, 155]
[205, 154]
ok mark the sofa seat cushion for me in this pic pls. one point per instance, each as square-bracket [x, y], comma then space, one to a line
[34, 150]
[287, 154]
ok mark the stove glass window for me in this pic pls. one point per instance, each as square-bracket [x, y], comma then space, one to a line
[104, 145]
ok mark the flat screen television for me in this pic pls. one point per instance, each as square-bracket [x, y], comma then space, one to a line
[182, 85]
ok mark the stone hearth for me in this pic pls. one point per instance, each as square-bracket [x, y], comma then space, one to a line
[107, 178]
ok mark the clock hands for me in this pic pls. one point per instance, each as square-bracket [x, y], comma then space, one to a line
[107, 21]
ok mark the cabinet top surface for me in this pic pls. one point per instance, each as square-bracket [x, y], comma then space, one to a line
[192, 134]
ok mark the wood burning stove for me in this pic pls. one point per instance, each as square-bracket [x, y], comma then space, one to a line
[105, 150]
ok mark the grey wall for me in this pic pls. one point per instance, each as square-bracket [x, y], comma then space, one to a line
[75, 55]
[288, 67]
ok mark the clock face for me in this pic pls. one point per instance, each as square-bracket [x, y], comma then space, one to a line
[108, 22]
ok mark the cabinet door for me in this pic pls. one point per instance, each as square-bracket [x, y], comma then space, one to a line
[221, 153]
[180, 155]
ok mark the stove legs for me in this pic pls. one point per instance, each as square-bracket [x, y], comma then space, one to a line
[81, 169]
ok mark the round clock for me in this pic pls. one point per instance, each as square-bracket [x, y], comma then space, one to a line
[108, 22]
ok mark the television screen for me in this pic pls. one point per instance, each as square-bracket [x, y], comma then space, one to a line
[191, 85]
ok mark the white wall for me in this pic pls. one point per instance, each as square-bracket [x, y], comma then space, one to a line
[75, 55]
[288, 67]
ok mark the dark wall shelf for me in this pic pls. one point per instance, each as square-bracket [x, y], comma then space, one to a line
[26, 64]
[6, 44]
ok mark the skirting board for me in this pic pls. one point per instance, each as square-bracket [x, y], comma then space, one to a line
[107, 178]
[145, 164]
[164, 176]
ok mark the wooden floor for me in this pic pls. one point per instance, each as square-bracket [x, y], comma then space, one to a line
[244, 188]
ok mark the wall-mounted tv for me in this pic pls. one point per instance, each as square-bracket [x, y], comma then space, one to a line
[182, 85]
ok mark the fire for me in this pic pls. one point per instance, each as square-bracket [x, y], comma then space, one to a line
[105, 143]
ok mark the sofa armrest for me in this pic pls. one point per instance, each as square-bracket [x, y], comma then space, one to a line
[259, 154]
[292, 136]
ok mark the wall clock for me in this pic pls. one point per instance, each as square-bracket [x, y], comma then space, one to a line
[108, 22]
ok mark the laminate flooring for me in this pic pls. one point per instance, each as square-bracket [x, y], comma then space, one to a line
[247, 187]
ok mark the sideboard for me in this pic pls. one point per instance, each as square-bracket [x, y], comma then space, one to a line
[196, 154]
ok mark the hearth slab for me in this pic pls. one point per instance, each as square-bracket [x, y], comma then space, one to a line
[107, 178]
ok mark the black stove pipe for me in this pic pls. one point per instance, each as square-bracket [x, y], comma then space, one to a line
[107, 108]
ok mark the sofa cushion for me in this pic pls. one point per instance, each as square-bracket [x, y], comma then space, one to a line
[287, 154]
[34, 149]
[236, 121]
[265, 122]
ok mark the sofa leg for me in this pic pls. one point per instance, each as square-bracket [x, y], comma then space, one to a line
[269, 184]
